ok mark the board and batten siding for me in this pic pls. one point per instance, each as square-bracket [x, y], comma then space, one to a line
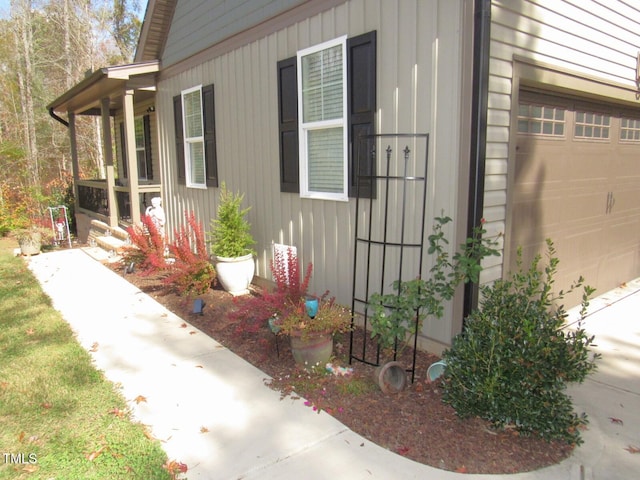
[595, 40]
[420, 80]
[198, 24]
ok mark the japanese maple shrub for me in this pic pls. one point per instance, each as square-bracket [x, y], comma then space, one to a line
[191, 273]
[147, 247]
[253, 312]
[512, 362]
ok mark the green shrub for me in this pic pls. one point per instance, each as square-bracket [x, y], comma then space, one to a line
[398, 315]
[512, 363]
[230, 231]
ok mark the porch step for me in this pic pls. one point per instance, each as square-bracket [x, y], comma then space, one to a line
[106, 242]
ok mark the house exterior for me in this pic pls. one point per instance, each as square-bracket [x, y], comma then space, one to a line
[530, 107]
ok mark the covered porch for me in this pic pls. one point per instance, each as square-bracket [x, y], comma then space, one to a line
[122, 96]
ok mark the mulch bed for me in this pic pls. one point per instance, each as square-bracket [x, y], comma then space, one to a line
[414, 423]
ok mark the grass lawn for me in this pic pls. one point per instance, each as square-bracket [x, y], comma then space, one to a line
[59, 417]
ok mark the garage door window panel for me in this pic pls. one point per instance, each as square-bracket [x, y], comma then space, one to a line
[629, 130]
[592, 125]
[547, 120]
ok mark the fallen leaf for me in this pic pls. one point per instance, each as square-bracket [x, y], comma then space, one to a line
[183, 325]
[93, 455]
[94, 347]
[632, 449]
[403, 451]
[174, 467]
[461, 469]
[117, 412]
[192, 332]
[31, 331]
[199, 366]
[616, 420]
[164, 315]
[21, 437]
[30, 468]
[140, 398]
[204, 429]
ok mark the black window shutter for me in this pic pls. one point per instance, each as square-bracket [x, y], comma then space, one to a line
[209, 116]
[288, 125]
[177, 117]
[147, 146]
[361, 95]
[123, 151]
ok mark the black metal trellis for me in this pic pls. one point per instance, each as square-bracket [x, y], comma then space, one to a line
[370, 186]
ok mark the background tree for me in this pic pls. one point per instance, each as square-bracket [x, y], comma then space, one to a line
[47, 46]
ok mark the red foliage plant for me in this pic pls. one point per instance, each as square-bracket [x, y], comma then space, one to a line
[147, 249]
[254, 311]
[191, 273]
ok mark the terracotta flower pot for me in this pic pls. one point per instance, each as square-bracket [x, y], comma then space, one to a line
[311, 349]
[391, 377]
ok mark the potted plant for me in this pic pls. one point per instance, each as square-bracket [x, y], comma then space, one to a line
[232, 243]
[312, 336]
[30, 239]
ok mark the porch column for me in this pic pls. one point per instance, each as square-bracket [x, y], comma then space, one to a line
[132, 158]
[107, 149]
[75, 168]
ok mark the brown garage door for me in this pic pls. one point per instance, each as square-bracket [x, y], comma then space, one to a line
[577, 181]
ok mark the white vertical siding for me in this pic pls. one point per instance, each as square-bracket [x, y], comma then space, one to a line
[419, 81]
[592, 38]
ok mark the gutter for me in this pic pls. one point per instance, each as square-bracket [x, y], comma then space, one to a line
[479, 107]
[56, 117]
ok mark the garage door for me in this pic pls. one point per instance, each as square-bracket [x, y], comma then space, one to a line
[577, 181]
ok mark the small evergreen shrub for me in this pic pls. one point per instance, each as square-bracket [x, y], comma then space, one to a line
[191, 273]
[512, 363]
[230, 231]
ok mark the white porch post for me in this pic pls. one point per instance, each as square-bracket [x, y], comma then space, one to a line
[108, 160]
[132, 161]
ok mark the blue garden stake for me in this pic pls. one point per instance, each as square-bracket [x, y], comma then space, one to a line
[312, 306]
[198, 306]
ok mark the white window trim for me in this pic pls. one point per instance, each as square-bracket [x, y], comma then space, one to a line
[303, 127]
[189, 140]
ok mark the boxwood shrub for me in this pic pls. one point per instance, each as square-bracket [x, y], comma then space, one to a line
[512, 362]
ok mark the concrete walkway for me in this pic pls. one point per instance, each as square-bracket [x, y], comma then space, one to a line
[212, 411]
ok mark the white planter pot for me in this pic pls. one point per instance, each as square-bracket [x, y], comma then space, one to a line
[235, 274]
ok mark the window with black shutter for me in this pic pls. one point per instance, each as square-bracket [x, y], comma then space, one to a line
[359, 116]
[194, 119]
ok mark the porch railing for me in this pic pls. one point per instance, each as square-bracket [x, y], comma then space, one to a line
[93, 199]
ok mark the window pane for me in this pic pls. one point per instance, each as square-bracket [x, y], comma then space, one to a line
[192, 114]
[523, 126]
[142, 164]
[139, 127]
[322, 85]
[326, 157]
[196, 156]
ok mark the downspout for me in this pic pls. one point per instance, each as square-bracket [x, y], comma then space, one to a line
[56, 117]
[479, 107]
